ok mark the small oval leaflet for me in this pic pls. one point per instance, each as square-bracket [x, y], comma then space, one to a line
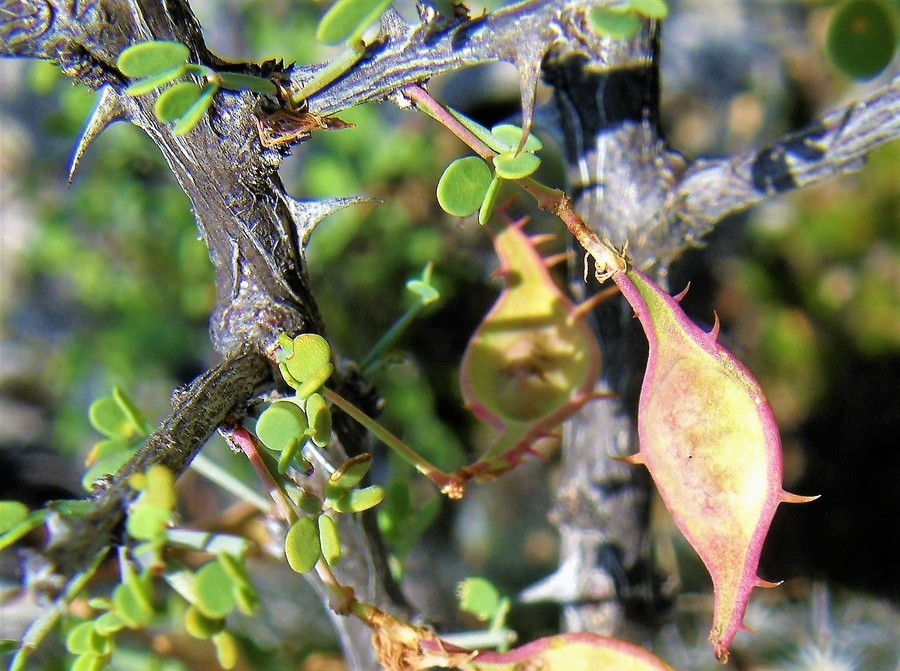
[347, 20]
[319, 417]
[108, 418]
[301, 545]
[331, 540]
[153, 82]
[479, 597]
[189, 120]
[310, 353]
[862, 38]
[200, 626]
[226, 649]
[510, 166]
[84, 639]
[174, 102]
[511, 136]
[151, 58]
[358, 500]
[462, 187]
[652, 9]
[348, 475]
[213, 589]
[108, 623]
[281, 426]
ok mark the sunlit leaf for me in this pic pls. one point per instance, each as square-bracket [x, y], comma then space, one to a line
[613, 24]
[151, 58]
[239, 81]
[213, 590]
[330, 540]
[347, 20]
[200, 626]
[301, 545]
[511, 136]
[510, 166]
[132, 605]
[226, 649]
[358, 500]
[652, 9]
[107, 416]
[282, 425]
[310, 353]
[176, 100]
[147, 522]
[490, 200]
[348, 475]
[153, 82]
[131, 411]
[462, 187]
[319, 417]
[108, 624]
[84, 639]
[197, 111]
[11, 514]
[479, 597]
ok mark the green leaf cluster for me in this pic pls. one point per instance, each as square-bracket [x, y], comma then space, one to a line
[157, 64]
[315, 535]
[468, 185]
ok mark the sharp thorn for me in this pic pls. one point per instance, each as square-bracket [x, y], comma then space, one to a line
[109, 109]
[787, 497]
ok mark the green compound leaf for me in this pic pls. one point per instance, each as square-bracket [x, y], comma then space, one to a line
[12, 513]
[347, 20]
[151, 58]
[510, 166]
[652, 9]
[510, 137]
[238, 81]
[478, 597]
[358, 500]
[200, 626]
[213, 590]
[348, 476]
[330, 540]
[175, 101]
[107, 417]
[462, 187]
[615, 25]
[197, 111]
[319, 417]
[226, 649]
[147, 84]
[282, 426]
[862, 38]
[301, 545]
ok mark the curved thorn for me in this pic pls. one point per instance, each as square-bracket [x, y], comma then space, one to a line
[307, 214]
[556, 259]
[714, 331]
[682, 293]
[765, 584]
[787, 497]
[108, 110]
[634, 459]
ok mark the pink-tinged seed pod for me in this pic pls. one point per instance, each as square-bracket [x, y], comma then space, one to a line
[709, 439]
[567, 652]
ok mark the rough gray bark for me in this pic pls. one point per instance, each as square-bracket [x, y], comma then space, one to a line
[626, 183]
